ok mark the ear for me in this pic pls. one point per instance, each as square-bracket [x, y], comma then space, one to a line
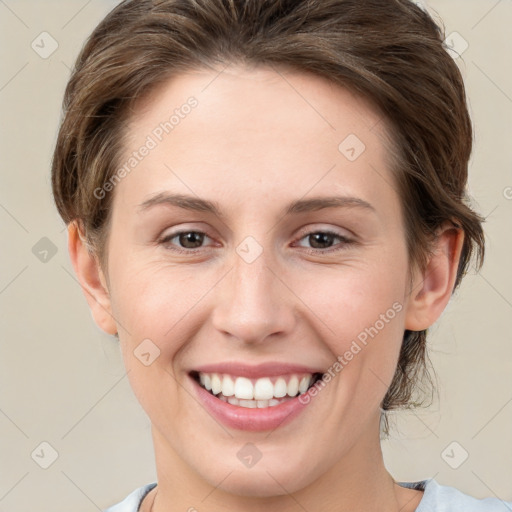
[432, 289]
[91, 278]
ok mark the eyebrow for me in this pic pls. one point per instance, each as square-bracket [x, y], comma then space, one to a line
[300, 206]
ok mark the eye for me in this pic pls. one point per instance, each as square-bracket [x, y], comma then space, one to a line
[322, 241]
[189, 241]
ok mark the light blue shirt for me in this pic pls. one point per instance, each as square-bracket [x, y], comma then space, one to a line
[436, 498]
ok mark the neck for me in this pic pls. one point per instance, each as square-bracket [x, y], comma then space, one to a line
[359, 481]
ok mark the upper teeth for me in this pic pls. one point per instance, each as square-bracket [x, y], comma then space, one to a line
[265, 388]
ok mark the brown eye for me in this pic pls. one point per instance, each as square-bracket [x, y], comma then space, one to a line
[184, 241]
[191, 239]
[323, 241]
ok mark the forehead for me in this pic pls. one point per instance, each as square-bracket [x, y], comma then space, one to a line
[238, 95]
[263, 130]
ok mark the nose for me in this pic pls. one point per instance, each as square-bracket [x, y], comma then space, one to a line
[253, 302]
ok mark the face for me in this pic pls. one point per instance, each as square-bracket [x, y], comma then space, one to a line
[284, 258]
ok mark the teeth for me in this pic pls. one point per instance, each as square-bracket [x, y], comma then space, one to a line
[280, 388]
[216, 384]
[228, 386]
[250, 404]
[304, 384]
[253, 404]
[263, 389]
[244, 388]
[258, 393]
[293, 386]
[207, 382]
[232, 400]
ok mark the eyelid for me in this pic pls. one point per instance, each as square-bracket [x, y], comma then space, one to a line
[341, 232]
[166, 238]
[340, 246]
[345, 241]
[184, 227]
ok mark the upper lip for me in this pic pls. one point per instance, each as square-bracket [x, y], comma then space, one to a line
[271, 369]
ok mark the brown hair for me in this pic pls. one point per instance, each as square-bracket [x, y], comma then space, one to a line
[389, 51]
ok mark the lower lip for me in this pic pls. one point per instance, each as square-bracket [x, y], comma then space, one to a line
[243, 418]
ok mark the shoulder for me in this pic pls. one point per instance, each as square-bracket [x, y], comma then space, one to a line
[132, 501]
[443, 498]
[436, 498]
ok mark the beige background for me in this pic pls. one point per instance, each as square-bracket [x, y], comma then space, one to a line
[62, 380]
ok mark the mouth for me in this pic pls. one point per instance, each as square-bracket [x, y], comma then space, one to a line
[251, 393]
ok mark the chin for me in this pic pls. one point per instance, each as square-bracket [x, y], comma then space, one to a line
[262, 481]
[257, 484]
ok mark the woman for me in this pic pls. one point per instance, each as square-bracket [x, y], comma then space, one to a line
[266, 203]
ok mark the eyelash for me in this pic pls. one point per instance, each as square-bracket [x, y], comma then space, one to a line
[345, 241]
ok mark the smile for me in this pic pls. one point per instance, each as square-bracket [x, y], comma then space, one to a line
[253, 393]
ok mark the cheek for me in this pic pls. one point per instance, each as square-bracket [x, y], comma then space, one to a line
[349, 301]
[152, 307]
[360, 317]
[154, 298]
[157, 300]
[161, 308]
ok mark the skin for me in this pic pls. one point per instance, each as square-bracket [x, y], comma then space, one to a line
[254, 144]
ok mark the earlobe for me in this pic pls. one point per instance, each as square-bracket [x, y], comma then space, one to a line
[91, 278]
[432, 289]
